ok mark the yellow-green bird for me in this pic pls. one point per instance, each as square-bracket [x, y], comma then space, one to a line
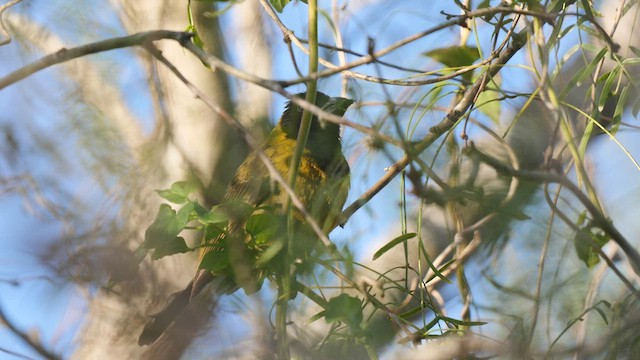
[322, 185]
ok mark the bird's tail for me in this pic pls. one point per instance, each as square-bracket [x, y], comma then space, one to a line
[159, 322]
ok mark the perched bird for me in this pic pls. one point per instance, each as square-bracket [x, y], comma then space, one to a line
[322, 185]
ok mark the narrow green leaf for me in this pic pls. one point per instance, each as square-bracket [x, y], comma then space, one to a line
[587, 8]
[489, 103]
[519, 215]
[463, 323]
[455, 56]
[631, 61]
[636, 108]
[315, 317]
[620, 107]
[279, 4]
[603, 315]
[611, 77]
[436, 272]
[392, 244]
[579, 77]
[409, 313]
[635, 50]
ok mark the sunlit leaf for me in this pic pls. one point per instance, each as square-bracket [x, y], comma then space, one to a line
[178, 193]
[391, 244]
[455, 56]
[587, 245]
[279, 4]
[489, 101]
[164, 228]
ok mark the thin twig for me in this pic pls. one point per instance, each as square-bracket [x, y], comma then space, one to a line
[436, 131]
[454, 20]
[29, 340]
[3, 30]
[64, 54]
[599, 219]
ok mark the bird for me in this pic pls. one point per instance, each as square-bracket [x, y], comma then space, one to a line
[322, 185]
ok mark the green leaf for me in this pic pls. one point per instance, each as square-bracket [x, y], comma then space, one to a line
[579, 77]
[462, 322]
[263, 227]
[178, 193]
[636, 108]
[587, 244]
[407, 315]
[635, 50]
[391, 244]
[455, 56]
[214, 216]
[315, 317]
[489, 101]
[605, 93]
[519, 215]
[436, 272]
[344, 308]
[236, 209]
[271, 252]
[162, 234]
[620, 106]
[279, 4]
[603, 315]
[582, 217]
[215, 261]
[586, 6]
[164, 228]
[173, 246]
[184, 215]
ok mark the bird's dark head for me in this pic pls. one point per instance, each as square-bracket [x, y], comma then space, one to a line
[323, 142]
[320, 130]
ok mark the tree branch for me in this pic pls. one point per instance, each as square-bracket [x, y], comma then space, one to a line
[35, 345]
[64, 54]
[436, 131]
[600, 220]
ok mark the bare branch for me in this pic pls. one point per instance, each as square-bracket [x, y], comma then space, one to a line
[29, 340]
[3, 30]
[600, 220]
[64, 54]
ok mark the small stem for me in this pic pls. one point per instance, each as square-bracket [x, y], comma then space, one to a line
[284, 291]
[281, 316]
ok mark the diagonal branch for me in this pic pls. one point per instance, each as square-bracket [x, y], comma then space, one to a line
[449, 121]
[64, 54]
[29, 340]
[3, 30]
[600, 220]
